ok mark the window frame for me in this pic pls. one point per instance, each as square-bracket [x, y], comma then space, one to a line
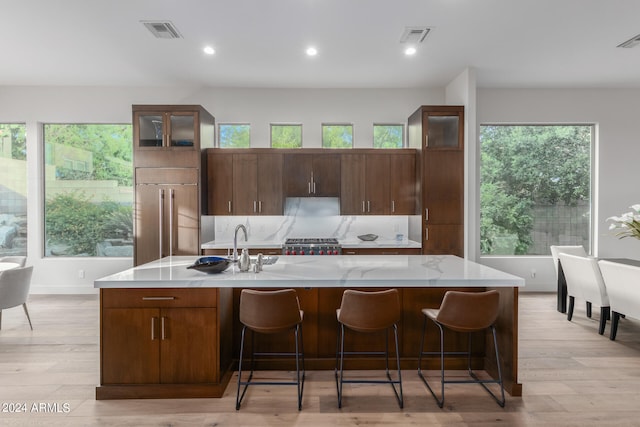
[328, 124]
[404, 135]
[591, 231]
[219, 129]
[271, 125]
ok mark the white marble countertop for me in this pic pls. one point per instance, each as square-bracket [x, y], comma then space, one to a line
[319, 272]
[348, 244]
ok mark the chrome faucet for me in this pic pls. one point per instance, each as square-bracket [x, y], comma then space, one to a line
[235, 241]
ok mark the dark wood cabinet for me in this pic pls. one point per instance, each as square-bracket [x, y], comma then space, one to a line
[167, 214]
[169, 164]
[438, 133]
[244, 183]
[155, 339]
[380, 251]
[311, 174]
[377, 182]
[170, 135]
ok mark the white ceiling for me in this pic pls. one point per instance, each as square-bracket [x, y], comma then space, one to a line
[261, 43]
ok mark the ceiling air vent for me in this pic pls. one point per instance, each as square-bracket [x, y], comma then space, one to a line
[162, 29]
[633, 42]
[414, 35]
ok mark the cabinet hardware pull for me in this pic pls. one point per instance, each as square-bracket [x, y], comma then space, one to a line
[229, 206]
[393, 206]
[368, 206]
[313, 184]
[363, 207]
[153, 328]
[350, 253]
[158, 298]
[314, 187]
[426, 233]
[171, 205]
[163, 336]
[160, 220]
[426, 214]
[426, 140]
[309, 187]
[260, 206]
[255, 209]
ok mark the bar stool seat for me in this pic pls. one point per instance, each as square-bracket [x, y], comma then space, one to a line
[271, 312]
[466, 312]
[369, 312]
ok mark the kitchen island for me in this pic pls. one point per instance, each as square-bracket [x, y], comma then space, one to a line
[168, 331]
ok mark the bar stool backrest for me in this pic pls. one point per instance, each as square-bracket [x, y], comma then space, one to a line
[269, 311]
[469, 311]
[369, 311]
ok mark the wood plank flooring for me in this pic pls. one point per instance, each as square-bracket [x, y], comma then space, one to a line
[571, 375]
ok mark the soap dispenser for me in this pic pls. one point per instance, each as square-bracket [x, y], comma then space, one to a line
[245, 261]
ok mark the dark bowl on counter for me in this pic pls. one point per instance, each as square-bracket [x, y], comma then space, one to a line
[211, 264]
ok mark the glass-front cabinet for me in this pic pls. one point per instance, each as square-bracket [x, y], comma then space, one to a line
[170, 129]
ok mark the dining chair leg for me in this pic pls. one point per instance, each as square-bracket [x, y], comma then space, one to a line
[604, 316]
[615, 317]
[588, 309]
[24, 306]
[572, 301]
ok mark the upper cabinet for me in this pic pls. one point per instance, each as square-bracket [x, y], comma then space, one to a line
[438, 132]
[245, 182]
[311, 174]
[378, 182]
[171, 135]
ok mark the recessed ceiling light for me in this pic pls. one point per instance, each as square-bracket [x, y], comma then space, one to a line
[410, 51]
[209, 50]
[312, 51]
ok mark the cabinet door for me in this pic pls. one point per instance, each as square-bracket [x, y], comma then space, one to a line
[220, 183]
[245, 188]
[443, 130]
[402, 184]
[297, 175]
[269, 183]
[183, 220]
[167, 221]
[443, 187]
[443, 239]
[352, 192]
[166, 129]
[130, 352]
[147, 219]
[188, 346]
[326, 175]
[377, 184]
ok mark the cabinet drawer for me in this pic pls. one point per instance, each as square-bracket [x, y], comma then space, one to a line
[170, 297]
[381, 251]
[166, 176]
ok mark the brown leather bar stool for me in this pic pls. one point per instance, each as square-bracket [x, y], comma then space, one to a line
[271, 312]
[466, 312]
[369, 312]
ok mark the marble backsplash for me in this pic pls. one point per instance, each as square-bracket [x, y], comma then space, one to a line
[309, 217]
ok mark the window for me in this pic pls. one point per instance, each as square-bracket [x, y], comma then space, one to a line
[286, 136]
[535, 188]
[337, 136]
[234, 135]
[13, 189]
[88, 190]
[388, 136]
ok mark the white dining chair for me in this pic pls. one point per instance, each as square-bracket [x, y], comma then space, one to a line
[14, 289]
[623, 287]
[556, 250]
[584, 281]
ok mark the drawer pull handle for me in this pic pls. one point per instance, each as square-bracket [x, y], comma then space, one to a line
[163, 335]
[158, 298]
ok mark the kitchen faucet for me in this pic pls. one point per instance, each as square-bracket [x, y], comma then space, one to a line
[235, 240]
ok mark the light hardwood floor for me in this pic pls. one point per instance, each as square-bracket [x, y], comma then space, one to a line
[571, 375]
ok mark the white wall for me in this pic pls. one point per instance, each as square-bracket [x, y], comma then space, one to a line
[615, 112]
[37, 105]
